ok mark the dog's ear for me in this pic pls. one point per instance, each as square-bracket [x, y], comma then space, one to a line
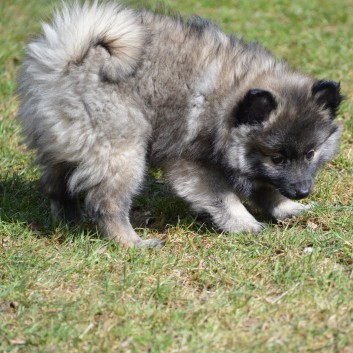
[328, 95]
[255, 107]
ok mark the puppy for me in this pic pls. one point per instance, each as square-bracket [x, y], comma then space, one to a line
[106, 91]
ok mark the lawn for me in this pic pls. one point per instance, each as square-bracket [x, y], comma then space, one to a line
[288, 289]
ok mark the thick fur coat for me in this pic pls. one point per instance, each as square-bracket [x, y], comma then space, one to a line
[106, 91]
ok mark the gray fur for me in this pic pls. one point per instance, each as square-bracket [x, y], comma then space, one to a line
[106, 91]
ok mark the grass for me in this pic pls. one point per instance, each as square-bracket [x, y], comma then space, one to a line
[289, 289]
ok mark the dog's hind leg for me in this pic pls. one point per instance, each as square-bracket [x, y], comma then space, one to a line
[63, 203]
[109, 201]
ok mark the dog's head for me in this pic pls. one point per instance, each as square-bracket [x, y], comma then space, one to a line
[283, 136]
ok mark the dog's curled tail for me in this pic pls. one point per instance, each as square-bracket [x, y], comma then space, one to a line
[77, 28]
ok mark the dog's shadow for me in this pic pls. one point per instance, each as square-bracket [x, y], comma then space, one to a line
[156, 208]
[21, 201]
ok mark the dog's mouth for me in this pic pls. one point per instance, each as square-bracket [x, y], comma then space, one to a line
[296, 194]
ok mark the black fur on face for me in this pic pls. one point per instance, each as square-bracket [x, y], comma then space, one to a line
[292, 178]
[287, 152]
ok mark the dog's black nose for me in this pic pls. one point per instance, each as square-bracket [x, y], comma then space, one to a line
[302, 192]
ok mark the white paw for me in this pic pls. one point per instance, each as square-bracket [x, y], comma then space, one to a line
[149, 243]
[243, 226]
[256, 227]
[289, 209]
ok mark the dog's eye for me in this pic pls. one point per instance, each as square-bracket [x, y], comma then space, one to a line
[309, 156]
[278, 159]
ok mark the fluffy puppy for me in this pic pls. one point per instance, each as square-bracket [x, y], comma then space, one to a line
[106, 91]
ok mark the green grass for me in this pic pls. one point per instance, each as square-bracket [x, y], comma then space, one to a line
[69, 290]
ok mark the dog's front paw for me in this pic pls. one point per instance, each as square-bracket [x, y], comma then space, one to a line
[150, 243]
[255, 227]
[289, 209]
[245, 226]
